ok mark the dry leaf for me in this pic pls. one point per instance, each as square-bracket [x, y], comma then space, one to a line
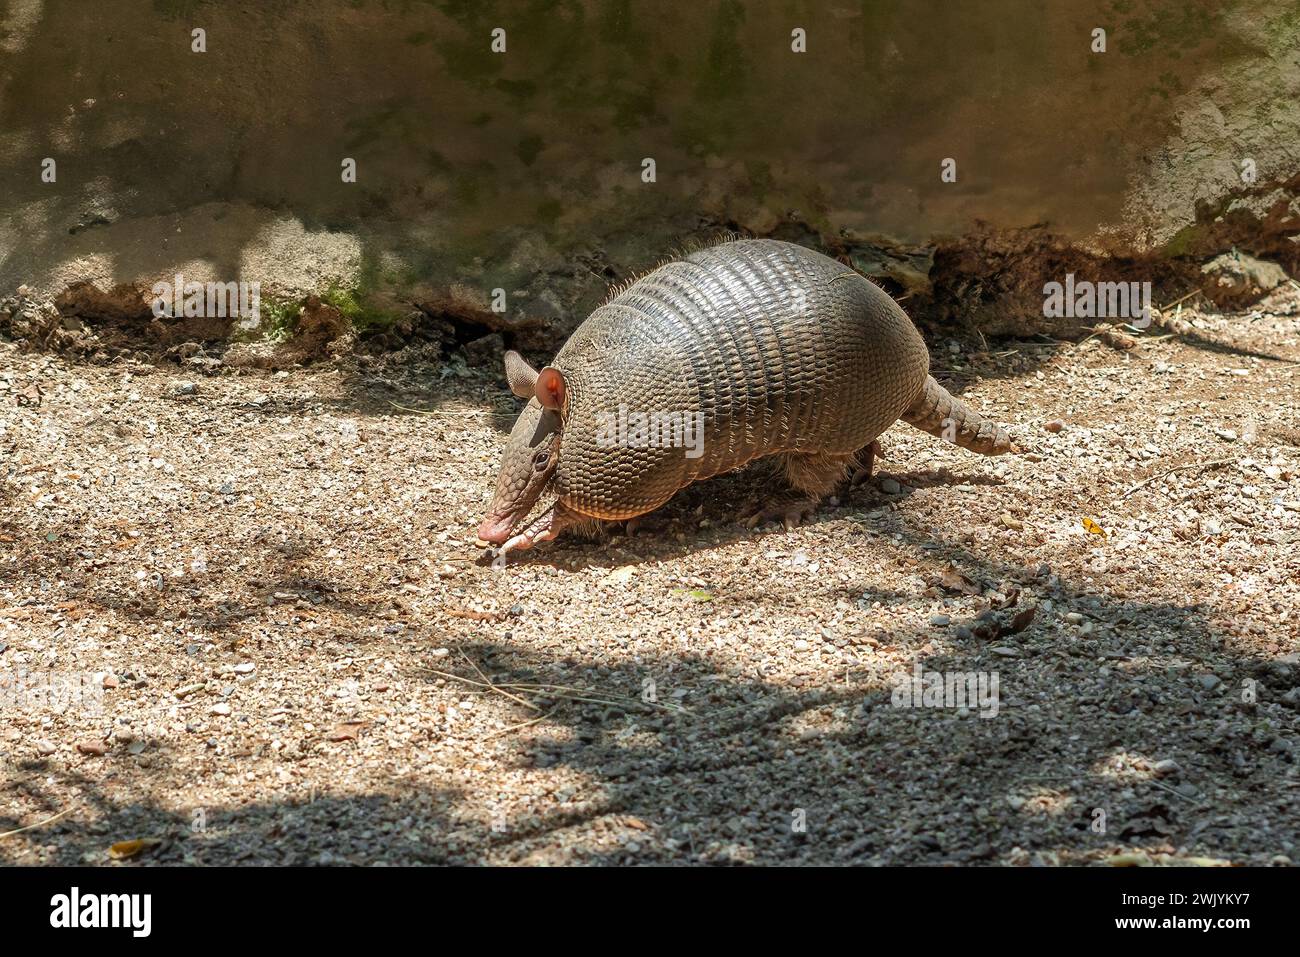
[1140, 859]
[1092, 528]
[1114, 337]
[954, 580]
[123, 850]
[1006, 598]
[1021, 621]
[1130, 860]
[348, 731]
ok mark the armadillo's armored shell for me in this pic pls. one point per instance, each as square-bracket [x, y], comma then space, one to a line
[780, 348]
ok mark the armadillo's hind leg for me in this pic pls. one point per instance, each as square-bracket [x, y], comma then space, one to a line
[864, 463]
[811, 477]
[653, 522]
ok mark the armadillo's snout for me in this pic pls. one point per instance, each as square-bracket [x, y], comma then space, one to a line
[527, 465]
[495, 531]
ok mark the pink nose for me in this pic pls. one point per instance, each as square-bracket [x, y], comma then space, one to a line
[494, 530]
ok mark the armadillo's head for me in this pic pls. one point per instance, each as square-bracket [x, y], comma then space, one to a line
[532, 453]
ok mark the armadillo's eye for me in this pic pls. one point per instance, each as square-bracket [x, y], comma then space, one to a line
[540, 459]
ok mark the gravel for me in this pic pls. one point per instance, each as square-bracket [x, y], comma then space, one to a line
[312, 664]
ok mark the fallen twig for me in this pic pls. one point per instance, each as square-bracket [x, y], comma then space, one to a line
[32, 827]
[476, 615]
[523, 724]
[566, 692]
[612, 700]
[468, 413]
[1181, 299]
[1174, 791]
[1181, 468]
[485, 684]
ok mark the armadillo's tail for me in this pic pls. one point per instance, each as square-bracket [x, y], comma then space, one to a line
[940, 413]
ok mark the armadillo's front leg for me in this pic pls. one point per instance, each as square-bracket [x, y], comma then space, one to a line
[543, 528]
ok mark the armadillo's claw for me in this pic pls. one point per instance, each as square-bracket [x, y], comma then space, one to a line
[864, 463]
[544, 528]
[519, 542]
[528, 538]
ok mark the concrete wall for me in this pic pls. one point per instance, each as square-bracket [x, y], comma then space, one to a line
[490, 168]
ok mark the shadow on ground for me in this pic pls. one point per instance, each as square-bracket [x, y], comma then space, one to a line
[750, 769]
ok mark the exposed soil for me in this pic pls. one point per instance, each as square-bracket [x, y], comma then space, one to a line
[293, 654]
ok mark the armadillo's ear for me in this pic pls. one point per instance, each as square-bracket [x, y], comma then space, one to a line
[521, 376]
[551, 389]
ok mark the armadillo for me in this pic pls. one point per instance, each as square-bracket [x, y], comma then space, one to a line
[747, 349]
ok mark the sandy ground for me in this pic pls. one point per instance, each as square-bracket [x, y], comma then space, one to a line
[240, 615]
